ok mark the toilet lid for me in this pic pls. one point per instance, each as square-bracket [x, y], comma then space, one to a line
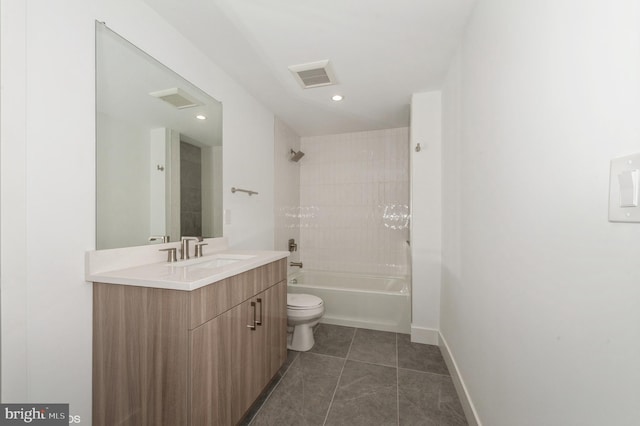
[303, 300]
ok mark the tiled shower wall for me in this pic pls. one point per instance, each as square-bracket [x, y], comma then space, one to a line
[354, 202]
[190, 189]
[287, 189]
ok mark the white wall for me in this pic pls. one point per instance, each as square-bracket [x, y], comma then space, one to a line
[354, 197]
[48, 180]
[541, 294]
[426, 215]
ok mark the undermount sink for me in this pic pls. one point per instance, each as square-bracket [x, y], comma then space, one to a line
[146, 266]
[214, 261]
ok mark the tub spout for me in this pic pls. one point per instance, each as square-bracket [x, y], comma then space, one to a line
[298, 264]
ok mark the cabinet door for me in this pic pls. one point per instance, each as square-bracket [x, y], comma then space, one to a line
[275, 323]
[211, 361]
[140, 356]
[272, 332]
[259, 351]
[246, 343]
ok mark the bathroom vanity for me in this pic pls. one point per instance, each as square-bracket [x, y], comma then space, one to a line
[193, 343]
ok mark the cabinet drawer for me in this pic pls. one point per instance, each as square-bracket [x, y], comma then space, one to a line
[210, 301]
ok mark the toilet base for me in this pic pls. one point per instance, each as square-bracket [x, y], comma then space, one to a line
[301, 339]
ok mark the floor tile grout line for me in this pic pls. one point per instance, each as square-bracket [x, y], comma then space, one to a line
[373, 363]
[274, 389]
[426, 372]
[321, 354]
[335, 390]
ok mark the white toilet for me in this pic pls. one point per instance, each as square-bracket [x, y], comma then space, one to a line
[303, 313]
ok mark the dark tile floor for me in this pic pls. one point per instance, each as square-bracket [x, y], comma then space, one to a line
[360, 377]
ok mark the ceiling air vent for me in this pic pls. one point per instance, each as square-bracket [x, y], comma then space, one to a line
[176, 97]
[314, 74]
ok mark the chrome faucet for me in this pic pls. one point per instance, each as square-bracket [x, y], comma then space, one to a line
[184, 251]
[298, 264]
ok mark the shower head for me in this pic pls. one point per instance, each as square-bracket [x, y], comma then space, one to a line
[296, 156]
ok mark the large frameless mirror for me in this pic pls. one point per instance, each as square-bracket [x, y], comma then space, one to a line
[158, 150]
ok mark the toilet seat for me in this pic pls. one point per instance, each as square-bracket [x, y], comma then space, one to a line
[297, 301]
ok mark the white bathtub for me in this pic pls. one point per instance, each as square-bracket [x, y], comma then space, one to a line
[364, 301]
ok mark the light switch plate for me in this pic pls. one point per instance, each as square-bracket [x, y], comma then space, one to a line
[623, 189]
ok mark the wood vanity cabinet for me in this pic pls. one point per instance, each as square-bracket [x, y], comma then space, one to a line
[171, 357]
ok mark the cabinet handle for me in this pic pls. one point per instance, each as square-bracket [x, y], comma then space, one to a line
[259, 322]
[253, 325]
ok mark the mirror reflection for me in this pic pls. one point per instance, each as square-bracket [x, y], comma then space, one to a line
[158, 152]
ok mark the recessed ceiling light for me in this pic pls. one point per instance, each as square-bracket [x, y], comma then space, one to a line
[201, 117]
[336, 98]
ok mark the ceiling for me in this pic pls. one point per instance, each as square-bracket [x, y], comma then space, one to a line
[381, 52]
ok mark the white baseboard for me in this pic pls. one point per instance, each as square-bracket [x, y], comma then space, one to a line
[458, 383]
[428, 336]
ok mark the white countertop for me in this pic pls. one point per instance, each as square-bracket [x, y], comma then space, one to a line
[145, 266]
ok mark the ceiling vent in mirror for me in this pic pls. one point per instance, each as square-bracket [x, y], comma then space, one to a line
[176, 97]
[313, 74]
